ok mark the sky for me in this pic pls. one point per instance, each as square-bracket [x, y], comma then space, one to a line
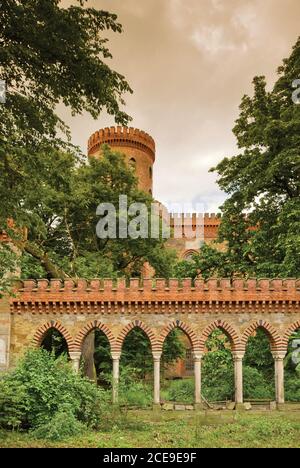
[189, 62]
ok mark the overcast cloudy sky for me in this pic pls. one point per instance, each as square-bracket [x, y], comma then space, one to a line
[189, 63]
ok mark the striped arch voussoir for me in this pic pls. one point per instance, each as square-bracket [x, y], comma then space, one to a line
[228, 330]
[287, 334]
[273, 335]
[41, 332]
[94, 325]
[135, 324]
[182, 326]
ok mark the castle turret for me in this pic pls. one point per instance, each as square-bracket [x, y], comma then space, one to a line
[137, 145]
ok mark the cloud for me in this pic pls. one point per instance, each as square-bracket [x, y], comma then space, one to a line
[213, 40]
[189, 63]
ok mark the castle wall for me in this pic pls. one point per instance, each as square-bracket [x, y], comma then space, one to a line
[156, 306]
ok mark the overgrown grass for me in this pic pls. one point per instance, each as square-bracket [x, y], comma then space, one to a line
[177, 429]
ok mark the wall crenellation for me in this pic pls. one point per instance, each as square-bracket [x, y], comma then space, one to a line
[119, 134]
[289, 287]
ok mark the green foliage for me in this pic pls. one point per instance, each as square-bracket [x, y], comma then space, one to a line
[260, 218]
[55, 343]
[13, 403]
[48, 386]
[132, 390]
[137, 353]
[182, 391]
[173, 348]
[63, 425]
[292, 386]
[217, 368]
[256, 386]
[50, 54]
[258, 354]
[207, 263]
[264, 180]
[59, 207]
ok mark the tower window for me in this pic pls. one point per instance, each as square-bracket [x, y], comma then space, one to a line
[150, 172]
[132, 163]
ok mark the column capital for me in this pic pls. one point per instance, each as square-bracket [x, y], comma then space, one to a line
[278, 355]
[75, 355]
[197, 356]
[238, 355]
[156, 356]
[115, 356]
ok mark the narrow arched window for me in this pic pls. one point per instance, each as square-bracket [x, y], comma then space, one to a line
[132, 163]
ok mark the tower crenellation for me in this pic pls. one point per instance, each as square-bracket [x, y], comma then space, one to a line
[137, 146]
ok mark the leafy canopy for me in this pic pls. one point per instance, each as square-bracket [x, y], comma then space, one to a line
[261, 217]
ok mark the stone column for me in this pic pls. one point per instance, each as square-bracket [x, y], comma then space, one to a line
[156, 359]
[5, 333]
[116, 376]
[279, 378]
[238, 377]
[197, 375]
[75, 359]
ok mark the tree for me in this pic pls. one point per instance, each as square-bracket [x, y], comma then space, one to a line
[49, 55]
[60, 210]
[260, 224]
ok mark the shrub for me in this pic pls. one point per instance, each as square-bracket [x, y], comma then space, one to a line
[13, 403]
[63, 425]
[218, 383]
[132, 390]
[256, 386]
[292, 387]
[48, 386]
[180, 391]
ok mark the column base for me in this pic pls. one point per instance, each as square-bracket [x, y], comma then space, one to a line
[156, 407]
[198, 406]
[280, 406]
[240, 407]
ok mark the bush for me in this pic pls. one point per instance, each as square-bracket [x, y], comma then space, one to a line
[12, 403]
[61, 426]
[47, 386]
[180, 391]
[132, 390]
[218, 383]
[256, 386]
[292, 387]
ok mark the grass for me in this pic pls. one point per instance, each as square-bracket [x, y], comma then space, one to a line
[182, 430]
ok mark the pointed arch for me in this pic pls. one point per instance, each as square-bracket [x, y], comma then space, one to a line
[190, 333]
[271, 332]
[135, 324]
[286, 336]
[42, 330]
[228, 330]
[94, 325]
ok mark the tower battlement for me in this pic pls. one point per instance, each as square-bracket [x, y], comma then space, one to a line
[122, 136]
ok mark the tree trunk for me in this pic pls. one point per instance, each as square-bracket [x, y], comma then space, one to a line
[39, 254]
[88, 349]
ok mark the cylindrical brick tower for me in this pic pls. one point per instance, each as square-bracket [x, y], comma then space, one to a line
[137, 146]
